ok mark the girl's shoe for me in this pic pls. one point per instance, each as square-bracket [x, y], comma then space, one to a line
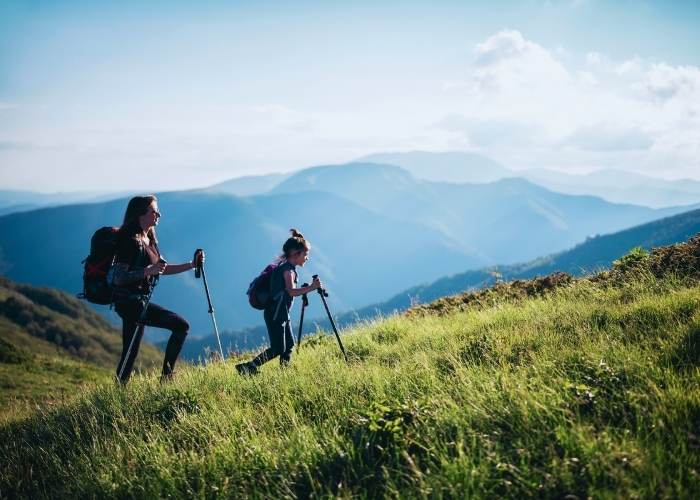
[248, 368]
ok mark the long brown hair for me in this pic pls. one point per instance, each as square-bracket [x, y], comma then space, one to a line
[138, 206]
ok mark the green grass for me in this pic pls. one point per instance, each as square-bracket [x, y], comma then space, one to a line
[48, 321]
[589, 390]
[51, 346]
[31, 382]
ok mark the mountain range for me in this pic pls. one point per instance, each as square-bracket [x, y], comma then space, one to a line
[588, 257]
[241, 236]
[22, 201]
[612, 185]
[483, 219]
[375, 230]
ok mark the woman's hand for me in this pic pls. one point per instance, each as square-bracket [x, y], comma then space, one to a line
[155, 269]
[198, 258]
[316, 284]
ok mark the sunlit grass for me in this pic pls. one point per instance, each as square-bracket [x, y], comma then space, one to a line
[590, 390]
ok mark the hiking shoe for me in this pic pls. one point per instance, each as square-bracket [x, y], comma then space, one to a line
[248, 368]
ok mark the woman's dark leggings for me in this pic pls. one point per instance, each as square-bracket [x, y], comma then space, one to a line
[155, 316]
[281, 339]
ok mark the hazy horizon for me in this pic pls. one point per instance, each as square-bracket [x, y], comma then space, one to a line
[173, 95]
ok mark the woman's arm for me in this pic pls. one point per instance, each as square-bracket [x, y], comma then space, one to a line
[124, 276]
[123, 273]
[178, 268]
[181, 268]
[296, 292]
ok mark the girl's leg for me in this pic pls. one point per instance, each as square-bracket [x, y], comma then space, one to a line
[263, 357]
[286, 356]
[276, 334]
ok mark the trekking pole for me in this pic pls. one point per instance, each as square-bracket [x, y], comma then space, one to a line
[139, 325]
[304, 303]
[323, 293]
[200, 270]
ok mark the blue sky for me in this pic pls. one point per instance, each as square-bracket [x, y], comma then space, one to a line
[169, 95]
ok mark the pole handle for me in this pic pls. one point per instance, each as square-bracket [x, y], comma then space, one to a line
[197, 265]
[304, 298]
[322, 291]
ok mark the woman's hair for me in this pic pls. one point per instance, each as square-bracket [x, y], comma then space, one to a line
[138, 206]
[295, 243]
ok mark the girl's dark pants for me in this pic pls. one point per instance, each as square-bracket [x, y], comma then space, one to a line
[281, 339]
[155, 316]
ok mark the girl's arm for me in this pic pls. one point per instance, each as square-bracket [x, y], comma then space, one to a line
[296, 292]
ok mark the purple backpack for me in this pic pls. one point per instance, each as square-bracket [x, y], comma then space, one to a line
[259, 289]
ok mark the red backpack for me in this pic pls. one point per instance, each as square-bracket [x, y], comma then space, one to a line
[259, 289]
[96, 287]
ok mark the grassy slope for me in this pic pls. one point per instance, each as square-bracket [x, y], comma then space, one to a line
[50, 345]
[590, 256]
[70, 326]
[591, 388]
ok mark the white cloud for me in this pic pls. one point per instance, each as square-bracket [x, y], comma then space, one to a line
[665, 82]
[522, 101]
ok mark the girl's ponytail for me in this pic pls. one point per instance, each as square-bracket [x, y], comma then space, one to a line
[296, 243]
[296, 234]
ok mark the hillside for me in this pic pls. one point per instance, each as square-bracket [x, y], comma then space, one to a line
[50, 344]
[46, 320]
[587, 389]
[426, 230]
[590, 256]
[594, 254]
[241, 236]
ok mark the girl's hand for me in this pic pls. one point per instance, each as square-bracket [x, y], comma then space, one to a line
[154, 269]
[316, 284]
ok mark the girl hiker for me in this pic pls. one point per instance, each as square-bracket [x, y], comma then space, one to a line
[283, 289]
[137, 261]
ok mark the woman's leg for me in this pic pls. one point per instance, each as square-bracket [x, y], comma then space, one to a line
[129, 312]
[162, 318]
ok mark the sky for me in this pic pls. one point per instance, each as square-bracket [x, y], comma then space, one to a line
[173, 95]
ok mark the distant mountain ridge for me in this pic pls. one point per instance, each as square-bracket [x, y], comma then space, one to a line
[249, 185]
[453, 166]
[612, 185]
[241, 236]
[484, 219]
[590, 256]
[22, 201]
[620, 187]
[375, 230]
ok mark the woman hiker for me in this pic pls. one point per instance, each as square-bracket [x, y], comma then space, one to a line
[137, 261]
